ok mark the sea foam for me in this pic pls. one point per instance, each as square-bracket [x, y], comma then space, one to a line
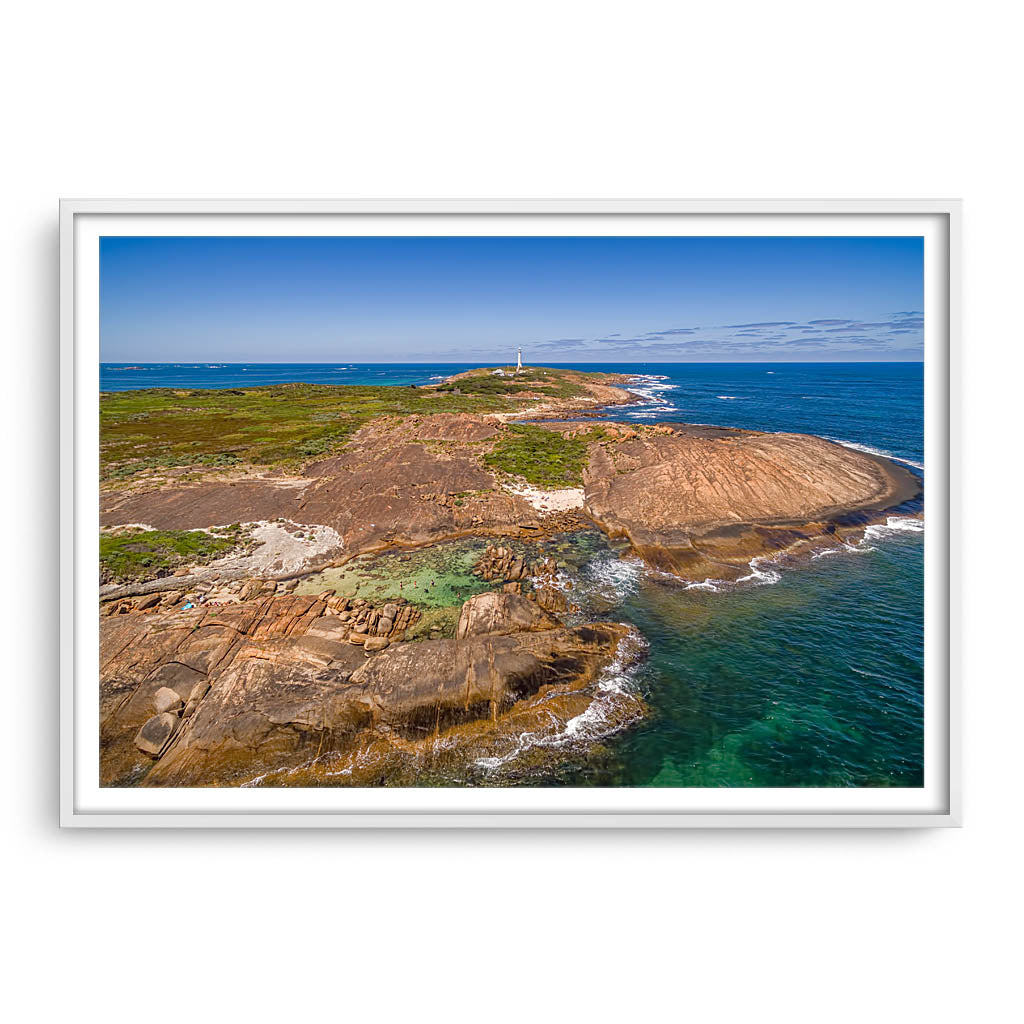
[650, 387]
[613, 707]
[857, 446]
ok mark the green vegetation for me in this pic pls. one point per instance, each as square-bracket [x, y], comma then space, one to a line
[484, 385]
[284, 425]
[221, 460]
[134, 555]
[545, 382]
[541, 457]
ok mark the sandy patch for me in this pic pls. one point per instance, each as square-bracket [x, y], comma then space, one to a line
[282, 548]
[565, 499]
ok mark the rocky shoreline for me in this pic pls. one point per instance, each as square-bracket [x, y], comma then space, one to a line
[222, 674]
[221, 696]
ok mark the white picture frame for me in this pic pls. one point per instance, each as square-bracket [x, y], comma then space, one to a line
[84, 804]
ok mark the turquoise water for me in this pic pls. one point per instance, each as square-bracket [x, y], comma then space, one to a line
[808, 674]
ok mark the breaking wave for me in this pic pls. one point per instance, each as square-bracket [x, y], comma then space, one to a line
[893, 526]
[875, 451]
[650, 387]
[612, 578]
[762, 573]
[614, 706]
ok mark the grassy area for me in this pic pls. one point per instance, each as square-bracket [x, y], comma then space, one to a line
[136, 555]
[485, 382]
[285, 425]
[541, 457]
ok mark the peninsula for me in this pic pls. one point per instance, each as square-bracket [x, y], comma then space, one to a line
[246, 636]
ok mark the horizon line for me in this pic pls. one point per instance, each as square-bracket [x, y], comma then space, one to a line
[588, 362]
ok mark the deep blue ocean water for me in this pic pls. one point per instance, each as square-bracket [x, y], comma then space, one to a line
[803, 675]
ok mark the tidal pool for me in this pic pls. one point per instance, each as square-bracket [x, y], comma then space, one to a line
[441, 575]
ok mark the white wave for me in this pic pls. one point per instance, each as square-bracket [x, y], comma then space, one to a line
[857, 446]
[613, 578]
[707, 584]
[612, 688]
[650, 386]
[760, 574]
[893, 525]
[854, 548]
[728, 398]
[257, 781]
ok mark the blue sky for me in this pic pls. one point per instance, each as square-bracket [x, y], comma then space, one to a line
[466, 299]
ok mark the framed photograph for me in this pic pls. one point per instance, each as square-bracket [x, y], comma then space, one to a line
[509, 514]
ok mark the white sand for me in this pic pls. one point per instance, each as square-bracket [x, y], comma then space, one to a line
[280, 551]
[562, 500]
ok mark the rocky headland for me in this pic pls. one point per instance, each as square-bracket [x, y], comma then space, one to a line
[216, 673]
[279, 683]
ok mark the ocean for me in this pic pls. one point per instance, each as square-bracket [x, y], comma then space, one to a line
[808, 674]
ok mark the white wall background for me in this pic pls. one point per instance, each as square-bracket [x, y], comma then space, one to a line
[526, 100]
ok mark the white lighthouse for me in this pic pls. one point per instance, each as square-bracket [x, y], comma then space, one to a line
[519, 361]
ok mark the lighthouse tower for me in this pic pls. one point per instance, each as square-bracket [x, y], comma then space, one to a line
[519, 361]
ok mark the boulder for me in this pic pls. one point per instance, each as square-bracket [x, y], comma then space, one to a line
[376, 643]
[199, 691]
[551, 599]
[156, 733]
[165, 699]
[499, 613]
[330, 627]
